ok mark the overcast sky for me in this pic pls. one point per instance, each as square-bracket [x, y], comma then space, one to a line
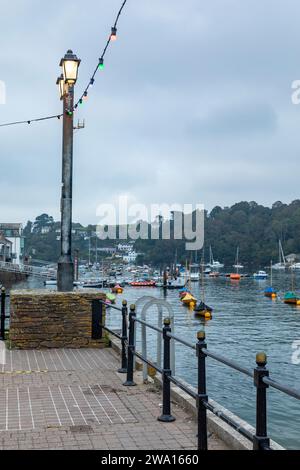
[194, 105]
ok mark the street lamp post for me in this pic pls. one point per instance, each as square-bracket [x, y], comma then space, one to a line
[65, 271]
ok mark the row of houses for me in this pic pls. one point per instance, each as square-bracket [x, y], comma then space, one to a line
[122, 251]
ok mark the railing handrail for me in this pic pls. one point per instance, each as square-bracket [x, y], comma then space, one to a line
[148, 325]
[282, 388]
[110, 305]
[228, 362]
[260, 375]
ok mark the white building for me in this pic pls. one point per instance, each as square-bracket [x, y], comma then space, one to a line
[5, 248]
[14, 233]
[46, 229]
[125, 247]
[130, 257]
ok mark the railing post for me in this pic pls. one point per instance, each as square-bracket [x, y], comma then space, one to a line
[159, 338]
[261, 440]
[2, 321]
[124, 338]
[131, 348]
[166, 416]
[202, 396]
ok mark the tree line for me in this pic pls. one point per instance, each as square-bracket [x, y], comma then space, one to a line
[254, 228]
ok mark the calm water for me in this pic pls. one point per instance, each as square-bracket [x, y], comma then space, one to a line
[244, 323]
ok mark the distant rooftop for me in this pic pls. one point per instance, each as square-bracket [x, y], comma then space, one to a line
[4, 226]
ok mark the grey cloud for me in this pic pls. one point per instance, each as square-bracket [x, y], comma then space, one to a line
[244, 121]
[192, 93]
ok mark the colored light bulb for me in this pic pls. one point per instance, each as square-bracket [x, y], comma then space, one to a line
[113, 35]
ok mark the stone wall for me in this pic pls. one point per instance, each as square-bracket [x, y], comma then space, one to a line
[43, 319]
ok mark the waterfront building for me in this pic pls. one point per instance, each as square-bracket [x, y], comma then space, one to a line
[130, 257]
[14, 234]
[5, 248]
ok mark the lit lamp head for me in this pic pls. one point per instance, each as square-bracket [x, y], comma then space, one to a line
[113, 35]
[70, 64]
[62, 86]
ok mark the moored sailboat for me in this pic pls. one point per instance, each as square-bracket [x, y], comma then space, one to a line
[203, 310]
[291, 297]
[212, 263]
[281, 265]
[270, 291]
[236, 276]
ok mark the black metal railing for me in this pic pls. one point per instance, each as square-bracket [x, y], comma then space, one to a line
[98, 326]
[3, 315]
[260, 376]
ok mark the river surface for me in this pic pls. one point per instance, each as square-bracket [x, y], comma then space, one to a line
[244, 323]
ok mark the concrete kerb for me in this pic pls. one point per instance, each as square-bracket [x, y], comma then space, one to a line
[232, 438]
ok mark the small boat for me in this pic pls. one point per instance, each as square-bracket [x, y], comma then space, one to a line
[260, 275]
[270, 292]
[212, 263]
[236, 276]
[188, 299]
[203, 310]
[117, 289]
[214, 274]
[93, 284]
[143, 284]
[291, 299]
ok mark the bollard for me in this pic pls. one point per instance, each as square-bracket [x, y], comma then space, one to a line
[2, 320]
[131, 348]
[202, 396]
[261, 440]
[166, 416]
[124, 338]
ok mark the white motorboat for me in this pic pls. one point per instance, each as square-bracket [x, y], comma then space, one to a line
[260, 275]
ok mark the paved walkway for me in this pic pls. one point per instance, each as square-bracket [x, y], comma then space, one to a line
[74, 399]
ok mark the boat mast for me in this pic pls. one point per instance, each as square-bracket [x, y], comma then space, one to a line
[237, 260]
[202, 282]
[211, 256]
[281, 253]
[271, 273]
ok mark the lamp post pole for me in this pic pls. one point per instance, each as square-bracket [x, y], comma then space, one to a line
[65, 274]
[65, 269]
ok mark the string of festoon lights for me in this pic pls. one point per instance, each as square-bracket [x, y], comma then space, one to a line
[100, 66]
